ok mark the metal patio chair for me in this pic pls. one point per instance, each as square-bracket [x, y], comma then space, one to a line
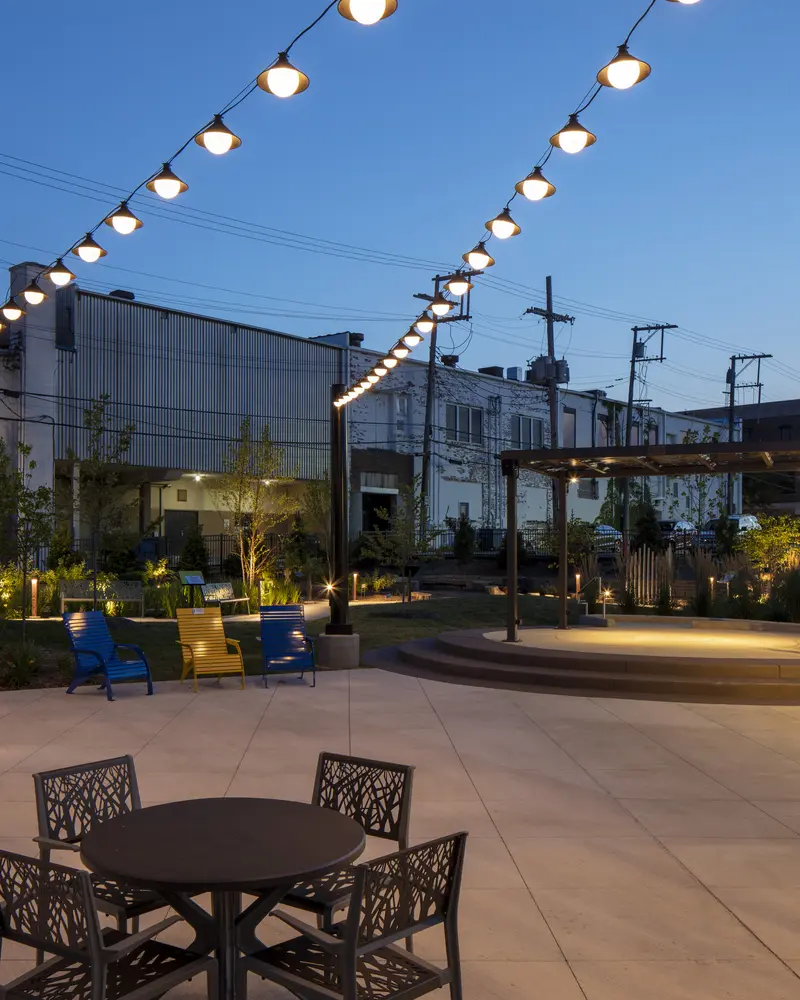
[69, 801]
[96, 653]
[358, 959]
[376, 794]
[284, 644]
[51, 908]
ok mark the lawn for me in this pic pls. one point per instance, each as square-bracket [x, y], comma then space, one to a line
[378, 625]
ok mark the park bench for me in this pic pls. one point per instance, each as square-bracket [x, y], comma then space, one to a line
[222, 593]
[284, 644]
[96, 654]
[82, 592]
[204, 646]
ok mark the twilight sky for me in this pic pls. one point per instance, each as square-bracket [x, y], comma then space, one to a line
[412, 134]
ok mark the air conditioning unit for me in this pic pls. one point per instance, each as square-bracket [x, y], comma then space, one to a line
[515, 374]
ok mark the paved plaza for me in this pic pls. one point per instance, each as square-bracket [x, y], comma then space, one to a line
[618, 849]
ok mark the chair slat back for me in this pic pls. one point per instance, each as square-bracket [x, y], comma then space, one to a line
[70, 800]
[202, 627]
[89, 630]
[48, 906]
[283, 630]
[407, 891]
[375, 793]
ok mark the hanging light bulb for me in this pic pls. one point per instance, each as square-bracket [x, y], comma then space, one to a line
[389, 363]
[367, 11]
[477, 258]
[167, 184]
[535, 186]
[338, 402]
[459, 285]
[365, 384]
[60, 274]
[217, 138]
[123, 220]
[412, 339]
[282, 79]
[372, 379]
[12, 310]
[358, 390]
[381, 370]
[440, 306]
[425, 325]
[503, 226]
[573, 137]
[33, 295]
[687, 2]
[400, 352]
[623, 71]
[88, 250]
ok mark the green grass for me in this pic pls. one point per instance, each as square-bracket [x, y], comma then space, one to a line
[378, 625]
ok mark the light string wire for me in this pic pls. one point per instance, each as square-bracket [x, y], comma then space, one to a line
[486, 236]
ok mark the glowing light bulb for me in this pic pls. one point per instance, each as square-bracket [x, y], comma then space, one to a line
[12, 310]
[623, 71]
[60, 274]
[365, 384]
[282, 79]
[686, 2]
[372, 379]
[458, 285]
[503, 226]
[33, 295]
[412, 339]
[123, 220]
[440, 305]
[358, 390]
[389, 362]
[477, 258]
[367, 11]
[337, 403]
[400, 352]
[573, 137]
[88, 250]
[381, 370]
[535, 186]
[425, 325]
[218, 138]
[167, 184]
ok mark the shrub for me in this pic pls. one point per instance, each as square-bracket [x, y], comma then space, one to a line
[50, 585]
[10, 591]
[20, 665]
[164, 599]
[664, 600]
[232, 567]
[787, 594]
[629, 602]
[280, 592]
[195, 553]
[157, 571]
[463, 540]
[62, 554]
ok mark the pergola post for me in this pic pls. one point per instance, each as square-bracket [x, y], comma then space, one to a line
[563, 549]
[511, 472]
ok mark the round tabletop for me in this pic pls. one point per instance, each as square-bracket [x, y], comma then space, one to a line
[222, 844]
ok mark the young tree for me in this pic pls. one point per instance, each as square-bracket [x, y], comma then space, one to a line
[698, 499]
[252, 490]
[195, 553]
[775, 545]
[408, 535]
[463, 539]
[315, 508]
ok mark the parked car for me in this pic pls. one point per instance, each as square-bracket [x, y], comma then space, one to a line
[678, 535]
[706, 537]
[607, 539]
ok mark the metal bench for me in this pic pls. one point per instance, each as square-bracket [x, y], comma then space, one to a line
[82, 592]
[222, 593]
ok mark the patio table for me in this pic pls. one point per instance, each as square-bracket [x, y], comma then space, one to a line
[225, 846]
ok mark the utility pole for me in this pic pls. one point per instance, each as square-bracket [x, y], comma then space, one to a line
[638, 356]
[551, 318]
[730, 378]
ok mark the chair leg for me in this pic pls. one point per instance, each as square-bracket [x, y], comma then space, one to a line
[109, 692]
[122, 924]
[453, 961]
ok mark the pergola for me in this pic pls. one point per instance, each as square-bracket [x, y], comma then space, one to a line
[566, 465]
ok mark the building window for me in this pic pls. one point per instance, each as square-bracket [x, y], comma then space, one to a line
[464, 423]
[527, 432]
[182, 495]
[784, 432]
[569, 427]
[463, 511]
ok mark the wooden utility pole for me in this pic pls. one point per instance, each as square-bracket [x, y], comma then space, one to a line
[731, 380]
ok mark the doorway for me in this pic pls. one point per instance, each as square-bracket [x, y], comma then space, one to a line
[177, 525]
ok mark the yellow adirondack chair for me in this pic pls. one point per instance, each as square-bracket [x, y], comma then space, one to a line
[204, 647]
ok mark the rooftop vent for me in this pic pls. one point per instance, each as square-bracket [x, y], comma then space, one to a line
[122, 293]
[495, 370]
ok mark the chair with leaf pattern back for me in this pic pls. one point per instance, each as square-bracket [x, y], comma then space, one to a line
[51, 908]
[377, 795]
[358, 959]
[69, 801]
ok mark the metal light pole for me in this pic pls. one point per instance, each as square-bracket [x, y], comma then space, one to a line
[339, 595]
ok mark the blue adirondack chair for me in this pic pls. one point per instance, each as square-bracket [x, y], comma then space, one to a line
[284, 644]
[96, 654]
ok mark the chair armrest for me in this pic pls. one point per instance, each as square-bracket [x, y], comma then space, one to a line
[326, 941]
[234, 642]
[127, 645]
[133, 941]
[56, 845]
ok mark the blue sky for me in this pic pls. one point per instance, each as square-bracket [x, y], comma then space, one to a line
[412, 134]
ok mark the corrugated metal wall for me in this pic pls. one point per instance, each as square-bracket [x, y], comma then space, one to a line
[186, 382]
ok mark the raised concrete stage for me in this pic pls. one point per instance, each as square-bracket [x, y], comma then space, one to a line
[682, 659]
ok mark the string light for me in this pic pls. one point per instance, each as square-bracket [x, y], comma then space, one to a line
[282, 79]
[59, 274]
[477, 258]
[381, 370]
[372, 379]
[389, 363]
[503, 226]
[459, 285]
[535, 186]
[123, 220]
[412, 339]
[218, 138]
[686, 2]
[166, 184]
[365, 384]
[573, 137]
[367, 11]
[33, 294]
[12, 310]
[425, 325]
[624, 71]
[88, 250]
[358, 390]
[400, 352]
